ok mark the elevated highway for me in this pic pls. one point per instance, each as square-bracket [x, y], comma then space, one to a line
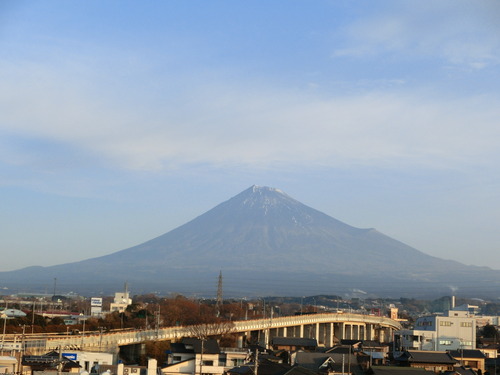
[325, 328]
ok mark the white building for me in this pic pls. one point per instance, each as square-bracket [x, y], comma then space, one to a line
[90, 361]
[121, 301]
[194, 357]
[452, 331]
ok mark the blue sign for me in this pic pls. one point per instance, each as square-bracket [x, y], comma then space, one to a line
[70, 356]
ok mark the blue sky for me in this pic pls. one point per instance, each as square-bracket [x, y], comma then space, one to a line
[121, 120]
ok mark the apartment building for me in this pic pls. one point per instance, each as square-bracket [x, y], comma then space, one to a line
[453, 330]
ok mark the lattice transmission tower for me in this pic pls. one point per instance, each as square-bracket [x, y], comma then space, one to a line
[219, 295]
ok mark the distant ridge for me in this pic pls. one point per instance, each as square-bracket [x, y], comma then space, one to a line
[266, 243]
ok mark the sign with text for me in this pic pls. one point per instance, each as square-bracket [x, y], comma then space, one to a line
[70, 356]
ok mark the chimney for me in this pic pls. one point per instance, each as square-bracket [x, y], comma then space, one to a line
[452, 302]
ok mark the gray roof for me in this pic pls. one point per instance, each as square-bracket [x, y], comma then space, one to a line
[422, 356]
[341, 349]
[322, 362]
[312, 361]
[467, 353]
[461, 371]
[300, 370]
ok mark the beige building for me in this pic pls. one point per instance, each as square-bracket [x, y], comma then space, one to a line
[121, 301]
[8, 364]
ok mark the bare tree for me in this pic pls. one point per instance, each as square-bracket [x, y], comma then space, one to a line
[215, 330]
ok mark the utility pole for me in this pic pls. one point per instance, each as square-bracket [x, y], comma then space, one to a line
[157, 322]
[59, 364]
[201, 355]
[33, 317]
[256, 367]
[20, 364]
[349, 360]
[83, 330]
[4, 316]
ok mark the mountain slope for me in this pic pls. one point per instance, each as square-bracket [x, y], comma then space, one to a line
[266, 242]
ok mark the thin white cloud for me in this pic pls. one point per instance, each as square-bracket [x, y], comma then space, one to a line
[458, 31]
[248, 125]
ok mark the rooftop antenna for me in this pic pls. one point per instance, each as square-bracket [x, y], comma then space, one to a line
[219, 294]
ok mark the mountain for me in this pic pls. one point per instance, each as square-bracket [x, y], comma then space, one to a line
[266, 243]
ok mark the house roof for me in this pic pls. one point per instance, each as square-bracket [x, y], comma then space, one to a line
[178, 348]
[397, 370]
[241, 370]
[465, 371]
[322, 362]
[272, 368]
[300, 370]
[422, 356]
[265, 368]
[467, 353]
[350, 342]
[294, 341]
[313, 361]
[346, 358]
[341, 349]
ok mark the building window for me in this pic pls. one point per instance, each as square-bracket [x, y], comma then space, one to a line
[445, 342]
[465, 324]
[445, 323]
[208, 363]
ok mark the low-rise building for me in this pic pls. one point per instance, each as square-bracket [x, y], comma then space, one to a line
[475, 359]
[89, 361]
[452, 331]
[436, 361]
[8, 364]
[194, 356]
